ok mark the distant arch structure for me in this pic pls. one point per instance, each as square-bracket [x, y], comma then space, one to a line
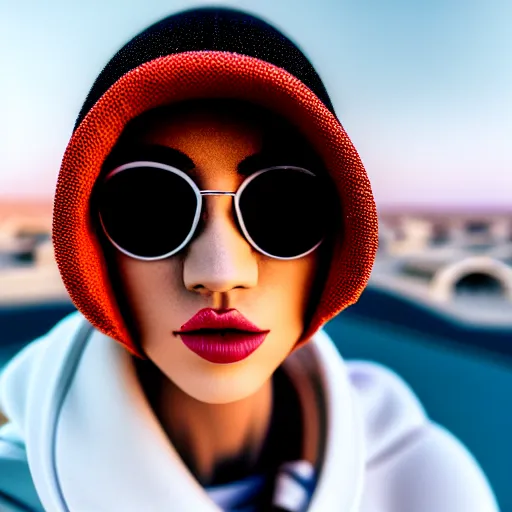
[478, 272]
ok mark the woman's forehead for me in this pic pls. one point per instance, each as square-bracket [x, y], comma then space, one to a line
[203, 134]
[207, 117]
[225, 132]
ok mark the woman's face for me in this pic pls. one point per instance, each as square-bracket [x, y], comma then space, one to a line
[218, 269]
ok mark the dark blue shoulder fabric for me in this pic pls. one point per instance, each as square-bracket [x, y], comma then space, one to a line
[210, 29]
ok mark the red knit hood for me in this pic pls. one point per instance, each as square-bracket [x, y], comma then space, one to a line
[206, 53]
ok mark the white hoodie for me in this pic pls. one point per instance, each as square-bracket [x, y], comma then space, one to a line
[93, 443]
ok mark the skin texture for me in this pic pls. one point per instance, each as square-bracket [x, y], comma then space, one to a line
[214, 412]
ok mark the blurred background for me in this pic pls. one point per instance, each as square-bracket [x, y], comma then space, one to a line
[424, 90]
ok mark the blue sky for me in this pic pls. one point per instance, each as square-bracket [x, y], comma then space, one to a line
[424, 88]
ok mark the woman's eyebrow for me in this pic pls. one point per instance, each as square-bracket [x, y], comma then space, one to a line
[156, 153]
[263, 160]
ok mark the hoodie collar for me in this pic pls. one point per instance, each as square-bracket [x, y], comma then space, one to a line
[100, 446]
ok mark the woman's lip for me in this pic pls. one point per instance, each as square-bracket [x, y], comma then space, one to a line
[209, 318]
[223, 347]
[221, 336]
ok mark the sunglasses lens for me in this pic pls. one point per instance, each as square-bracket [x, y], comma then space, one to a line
[283, 212]
[147, 211]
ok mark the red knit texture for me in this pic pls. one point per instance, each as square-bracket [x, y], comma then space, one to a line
[194, 75]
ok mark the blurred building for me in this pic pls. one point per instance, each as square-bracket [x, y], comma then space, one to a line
[460, 264]
[28, 272]
[410, 233]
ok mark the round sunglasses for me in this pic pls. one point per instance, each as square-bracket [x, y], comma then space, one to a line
[150, 211]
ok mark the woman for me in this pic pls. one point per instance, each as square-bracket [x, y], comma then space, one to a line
[211, 215]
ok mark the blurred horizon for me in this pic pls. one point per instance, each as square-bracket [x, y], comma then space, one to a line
[37, 205]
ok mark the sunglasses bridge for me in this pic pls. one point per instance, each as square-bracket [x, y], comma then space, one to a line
[216, 193]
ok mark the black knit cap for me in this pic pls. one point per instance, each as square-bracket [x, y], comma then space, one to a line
[208, 29]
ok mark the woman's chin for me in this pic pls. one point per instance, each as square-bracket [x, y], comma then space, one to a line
[218, 388]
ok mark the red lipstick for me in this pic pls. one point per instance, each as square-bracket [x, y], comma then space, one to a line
[221, 336]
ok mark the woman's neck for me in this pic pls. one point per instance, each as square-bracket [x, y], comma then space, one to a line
[218, 442]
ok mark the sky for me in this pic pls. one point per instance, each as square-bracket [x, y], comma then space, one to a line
[423, 88]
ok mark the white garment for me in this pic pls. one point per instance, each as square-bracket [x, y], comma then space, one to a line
[94, 445]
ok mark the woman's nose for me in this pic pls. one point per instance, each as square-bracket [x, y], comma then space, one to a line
[219, 259]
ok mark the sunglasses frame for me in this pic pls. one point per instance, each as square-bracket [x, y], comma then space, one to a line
[199, 196]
